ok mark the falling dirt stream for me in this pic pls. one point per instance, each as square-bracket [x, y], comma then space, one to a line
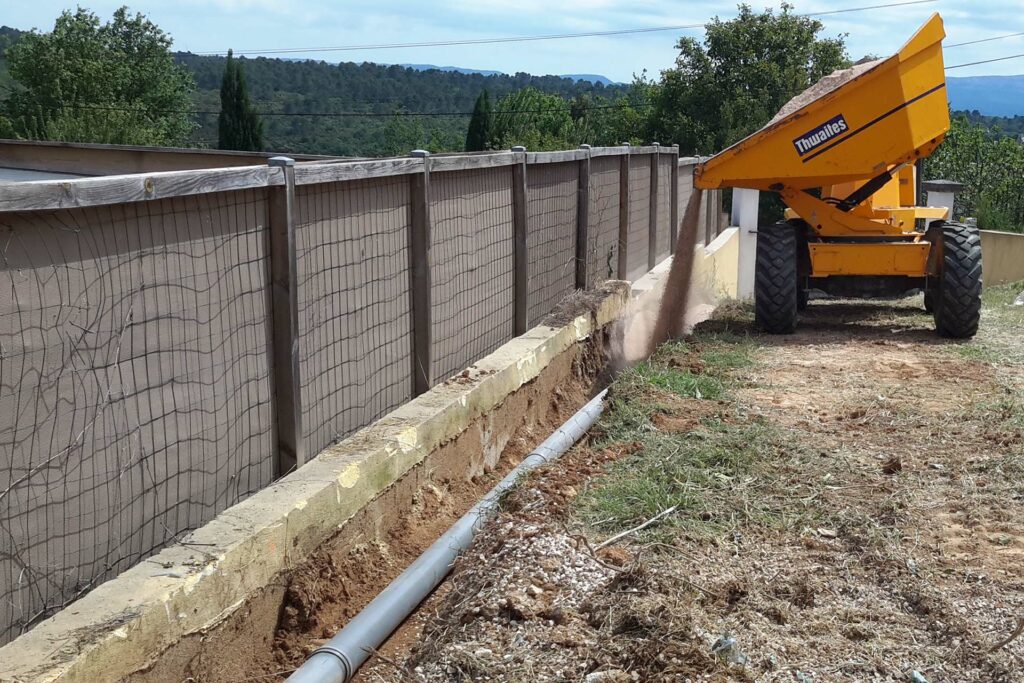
[674, 299]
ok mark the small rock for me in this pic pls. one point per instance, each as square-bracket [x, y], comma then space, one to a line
[918, 677]
[1019, 301]
[827, 533]
[728, 650]
[483, 653]
[606, 676]
[937, 466]
[534, 590]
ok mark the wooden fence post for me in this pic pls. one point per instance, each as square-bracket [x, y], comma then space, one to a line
[583, 221]
[652, 223]
[419, 275]
[520, 250]
[623, 273]
[286, 393]
[674, 201]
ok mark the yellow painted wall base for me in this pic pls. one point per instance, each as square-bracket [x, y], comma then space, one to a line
[716, 266]
[893, 258]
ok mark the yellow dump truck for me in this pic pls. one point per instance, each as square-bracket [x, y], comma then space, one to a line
[842, 156]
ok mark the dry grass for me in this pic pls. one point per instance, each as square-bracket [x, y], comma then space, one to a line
[849, 507]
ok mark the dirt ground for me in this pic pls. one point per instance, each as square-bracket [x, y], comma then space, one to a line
[842, 504]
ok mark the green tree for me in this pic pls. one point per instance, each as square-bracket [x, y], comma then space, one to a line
[990, 166]
[92, 82]
[538, 121]
[734, 82]
[478, 137]
[238, 125]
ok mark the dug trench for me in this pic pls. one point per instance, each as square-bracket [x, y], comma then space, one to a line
[272, 633]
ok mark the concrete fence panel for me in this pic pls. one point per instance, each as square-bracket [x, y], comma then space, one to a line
[639, 215]
[471, 258]
[551, 236]
[603, 250]
[353, 276]
[664, 228]
[134, 386]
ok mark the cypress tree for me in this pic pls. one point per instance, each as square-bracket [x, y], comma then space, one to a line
[478, 137]
[239, 126]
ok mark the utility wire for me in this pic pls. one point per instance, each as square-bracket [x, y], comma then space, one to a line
[986, 61]
[522, 39]
[357, 114]
[984, 40]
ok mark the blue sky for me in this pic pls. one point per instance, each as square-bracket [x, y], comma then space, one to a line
[211, 25]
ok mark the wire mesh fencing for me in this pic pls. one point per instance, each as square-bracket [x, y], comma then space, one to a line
[139, 392]
[664, 201]
[471, 262]
[551, 205]
[603, 213]
[134, 392]
[353, 273]
[639, 215]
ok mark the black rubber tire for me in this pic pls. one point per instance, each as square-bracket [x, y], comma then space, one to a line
[775, 279]
[929, 306]
[956, 294]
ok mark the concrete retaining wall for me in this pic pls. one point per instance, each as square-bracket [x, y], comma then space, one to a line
[1002, 255]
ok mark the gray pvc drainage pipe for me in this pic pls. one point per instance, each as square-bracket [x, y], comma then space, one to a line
[338, 659]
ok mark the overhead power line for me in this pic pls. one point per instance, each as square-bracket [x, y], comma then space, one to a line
[523, 39]
[985, 40]
[358, 114]
[986, 61]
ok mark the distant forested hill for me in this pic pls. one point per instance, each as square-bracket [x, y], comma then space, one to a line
[991, 95]
[1004, 125]
[388, 102]
[384, 104]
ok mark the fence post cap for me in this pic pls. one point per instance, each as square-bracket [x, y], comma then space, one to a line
[584, 146]
[280, 161]
[420, 153]
[518, 148]
[942, 186]
[655, 144]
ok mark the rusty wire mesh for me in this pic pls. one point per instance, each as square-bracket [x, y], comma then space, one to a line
[551, 205]
[603, 247]
[639, 215]
[354, 327]
[134, 386]
[665, 162]
[471, 262]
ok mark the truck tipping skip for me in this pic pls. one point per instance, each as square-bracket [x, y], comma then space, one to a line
[842, 157]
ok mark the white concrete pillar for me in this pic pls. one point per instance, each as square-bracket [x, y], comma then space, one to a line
[941, 193]
[744, 216]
